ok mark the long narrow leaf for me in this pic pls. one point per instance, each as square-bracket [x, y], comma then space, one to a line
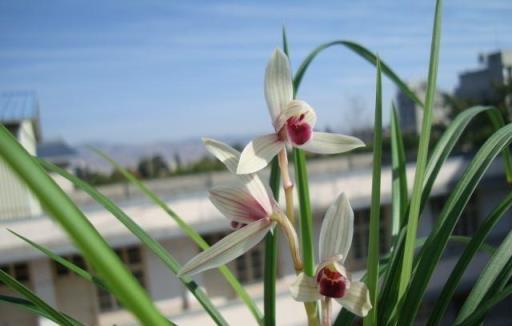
[64, 262]
[145, 238]
[94, 248]
[34, 299]
[490, 273]
[446, 144]
[365, 54]
[373, 243]
[419, 176]
[432, 250]
[32, 308]
[476, 316]
[399, 191]
[476, 242]
[269, 276]
[189, 231]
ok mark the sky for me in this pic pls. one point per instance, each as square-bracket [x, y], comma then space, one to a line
[145, 71]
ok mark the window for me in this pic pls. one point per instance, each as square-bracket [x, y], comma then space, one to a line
[61, 270]
[359, 248]
[132, 258]
[19, 271]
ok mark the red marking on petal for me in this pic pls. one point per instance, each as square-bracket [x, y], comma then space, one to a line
[332, 284]
[237, 225]
[299, 130]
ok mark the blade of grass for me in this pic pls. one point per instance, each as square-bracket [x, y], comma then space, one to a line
[64, 262]
[479, 313]
[474, 245]
[145, 238]
[399, 191]
[432, 251]
[94, 248]
[373, 243]
[365, 54]
[488, 276]
[189, 231]
[53, 314]
[419, 176]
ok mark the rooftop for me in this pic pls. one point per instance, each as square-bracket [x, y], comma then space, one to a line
[20, 106]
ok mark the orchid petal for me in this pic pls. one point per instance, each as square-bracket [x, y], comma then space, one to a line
[305, 289]
[223, 152]
[337, 229]
[327, 143]
[357, 299]
[278, 84]
[230, 157]
[258, 153]
[229, 248]
[296, 108]
[238, 204]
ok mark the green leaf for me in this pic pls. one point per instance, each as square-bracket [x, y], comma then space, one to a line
[431, 252]
[64, 262]
[269, 290]
[145, 238]
[94, 248]
[488, 276]
[479, 313]
[399, 191]
[473, 246]
[419, 176]
[39, 303]
[446, 144]
[373, 244]
[365, 54]
[189, 231]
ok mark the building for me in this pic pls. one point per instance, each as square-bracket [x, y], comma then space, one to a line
[19, 113]
[411, 114]
[480, 85]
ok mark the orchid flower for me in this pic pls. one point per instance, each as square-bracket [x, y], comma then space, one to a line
[332, 281]
[247, 204]
[293, 121]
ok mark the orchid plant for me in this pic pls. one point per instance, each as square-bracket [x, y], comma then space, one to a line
[252, 209]
[393, 288]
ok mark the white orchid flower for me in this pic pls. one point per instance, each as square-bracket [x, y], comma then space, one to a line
[293, 121]
[332, 280]
[247, 204]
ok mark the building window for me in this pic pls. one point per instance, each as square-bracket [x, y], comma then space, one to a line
[359, 248]
[468, 221]
[19, 271]
[61, 270]
[132, 258]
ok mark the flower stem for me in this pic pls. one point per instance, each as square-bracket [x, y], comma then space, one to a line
[287, 184]
[293, 240]
[326, 311]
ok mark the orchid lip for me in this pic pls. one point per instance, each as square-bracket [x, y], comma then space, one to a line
[298, 130]
[331, 282]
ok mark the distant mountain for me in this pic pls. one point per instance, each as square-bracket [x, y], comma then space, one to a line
[128, 155]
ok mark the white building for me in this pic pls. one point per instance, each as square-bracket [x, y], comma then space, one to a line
[411, 114]
[480, 84]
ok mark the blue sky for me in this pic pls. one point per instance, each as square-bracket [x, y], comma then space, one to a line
[134, 72]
